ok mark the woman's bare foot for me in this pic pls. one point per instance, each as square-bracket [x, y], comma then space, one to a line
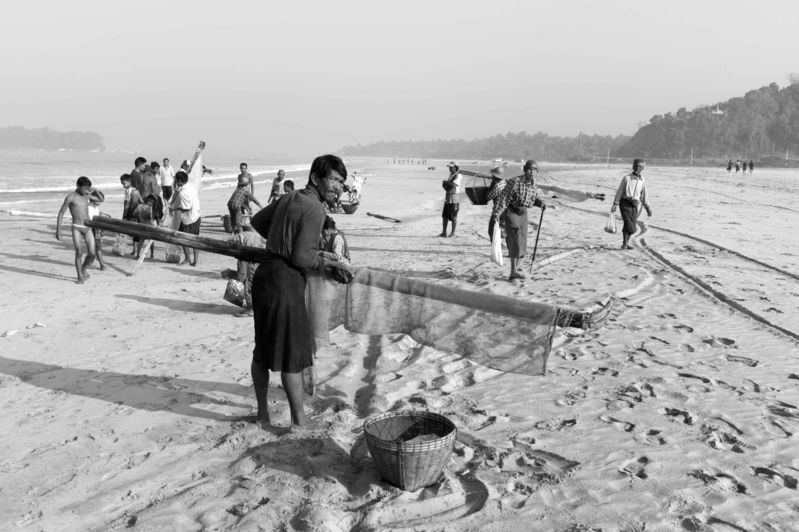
[85, 273]
[515, 275]
[102, 267]
[245, 314]
[80, 280]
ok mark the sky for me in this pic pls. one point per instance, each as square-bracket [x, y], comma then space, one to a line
[303, 78]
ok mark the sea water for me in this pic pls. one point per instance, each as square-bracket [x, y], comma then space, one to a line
[38, 181]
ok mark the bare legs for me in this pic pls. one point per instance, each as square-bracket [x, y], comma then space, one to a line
[515, 262]
[292, 384]
[87, 235]
[187, 254]
[626, 240]
[444, 228]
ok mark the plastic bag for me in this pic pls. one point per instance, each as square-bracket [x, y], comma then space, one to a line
[496, 245]
[234, 293]
[610, 225]
[174, 254]
[121, 244]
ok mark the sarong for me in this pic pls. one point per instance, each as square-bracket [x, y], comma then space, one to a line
[516, 232]
[629, 214]
[283, 335]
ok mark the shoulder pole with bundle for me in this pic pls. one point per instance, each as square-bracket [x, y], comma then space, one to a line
[535, 249]
[146, 247]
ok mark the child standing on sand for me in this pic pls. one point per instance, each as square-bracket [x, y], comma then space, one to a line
[145, 213]
[94, 210]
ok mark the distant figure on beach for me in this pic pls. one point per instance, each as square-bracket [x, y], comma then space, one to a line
[738, 166]
[334, 245]
[519, 195]
[136, 175]
[451, 187]
[497, 186]
[185, 166]
[245, 178]
[239, 204]
[277, 187]
[284, 340]
[132, 197]
[78, 204]
[751, 166]
[631, 197]
[729, 166]
[187, 203]
[167, 180]
[355, 188]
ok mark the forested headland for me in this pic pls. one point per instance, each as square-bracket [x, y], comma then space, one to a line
[511, 146]
[17, 137]
[762, 125]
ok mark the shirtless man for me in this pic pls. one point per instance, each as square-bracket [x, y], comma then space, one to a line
[78, 203]
[245, 178]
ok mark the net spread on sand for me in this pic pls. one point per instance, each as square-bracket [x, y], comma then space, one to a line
[496, 331]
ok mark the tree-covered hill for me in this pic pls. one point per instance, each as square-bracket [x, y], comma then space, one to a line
[763, 123]
[17, 137]
[511, 146]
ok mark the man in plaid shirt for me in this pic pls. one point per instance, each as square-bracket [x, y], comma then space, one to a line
[520, 194]
[238, 202]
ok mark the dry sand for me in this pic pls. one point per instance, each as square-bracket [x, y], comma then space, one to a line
[129, 407]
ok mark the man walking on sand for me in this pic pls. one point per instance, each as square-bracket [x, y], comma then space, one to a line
[245, 178]
[631, 196]
[78, 204]
[451, 187]
[520, 194]
[187, 203]
[167, 180]
[284, 340]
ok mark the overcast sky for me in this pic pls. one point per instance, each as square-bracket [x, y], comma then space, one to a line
[302, 78]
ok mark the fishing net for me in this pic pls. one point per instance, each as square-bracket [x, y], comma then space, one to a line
[496, 331]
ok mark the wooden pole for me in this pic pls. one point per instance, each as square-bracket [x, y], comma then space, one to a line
[162, 234]
[197, 153]
[535, 249]
[692, 155]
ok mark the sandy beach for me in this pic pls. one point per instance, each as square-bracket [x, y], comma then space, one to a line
[126, 400]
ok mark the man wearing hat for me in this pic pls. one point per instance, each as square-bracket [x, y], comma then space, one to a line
[520, 194]
[496, 188]
[452, 186]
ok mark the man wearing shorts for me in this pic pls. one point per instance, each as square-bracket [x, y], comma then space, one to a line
[451, 186]
[78, 203]
[187, 203]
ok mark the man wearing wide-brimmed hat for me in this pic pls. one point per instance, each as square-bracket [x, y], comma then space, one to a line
[520, 194]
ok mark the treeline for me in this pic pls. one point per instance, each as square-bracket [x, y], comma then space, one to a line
[762, 124]
[511, 146]
[17, 137]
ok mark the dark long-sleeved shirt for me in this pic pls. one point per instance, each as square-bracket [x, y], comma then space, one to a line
[292, 227]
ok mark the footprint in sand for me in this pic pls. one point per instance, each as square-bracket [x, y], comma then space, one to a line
[457, 365]
[775, 476]
[556, 424]
[651, 437]
[722, 440]
[678, 415]
[636, 468]
[621, 425]
[793, 376]
[784, 409]
[742, 360]
[683, 328]
[722, 480]
[605, 371]
[715, 341]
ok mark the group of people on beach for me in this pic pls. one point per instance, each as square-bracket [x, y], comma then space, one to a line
[513, 198]
[738, 164]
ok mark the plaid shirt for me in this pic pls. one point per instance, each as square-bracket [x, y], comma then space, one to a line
[239, 197]
[495, 190]
[518, 193]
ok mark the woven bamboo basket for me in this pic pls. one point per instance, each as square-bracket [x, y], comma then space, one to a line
[410, 466]
[477, 195]
[349, 208]
[226, 223]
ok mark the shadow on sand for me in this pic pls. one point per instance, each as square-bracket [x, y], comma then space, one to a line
[142, 392]
[186, 306]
